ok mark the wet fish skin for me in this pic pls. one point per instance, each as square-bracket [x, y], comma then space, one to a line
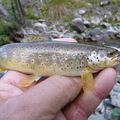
[56, 58]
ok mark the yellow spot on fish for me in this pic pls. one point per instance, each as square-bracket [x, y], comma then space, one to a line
[54, 57]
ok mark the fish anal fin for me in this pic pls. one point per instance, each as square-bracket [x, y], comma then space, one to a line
[87, 81]
[2, 69]
[27, 81]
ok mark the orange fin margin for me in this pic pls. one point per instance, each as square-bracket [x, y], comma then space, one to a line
[27, 81]
[87, 81]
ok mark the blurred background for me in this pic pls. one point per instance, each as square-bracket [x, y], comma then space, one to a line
[94, 22]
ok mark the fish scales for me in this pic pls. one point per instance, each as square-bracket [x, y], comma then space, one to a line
[54, 58]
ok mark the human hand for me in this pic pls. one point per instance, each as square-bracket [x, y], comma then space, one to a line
[55, 98]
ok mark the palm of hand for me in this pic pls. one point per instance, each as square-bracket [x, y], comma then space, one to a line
[59, 92]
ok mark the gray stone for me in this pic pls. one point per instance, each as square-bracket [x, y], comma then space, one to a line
[95, 20]
[3, 12]
[117, 35]
[29, 30]
[81, 11]
[104, 2]
[105, 25]
[55, 34]
[87, 23]
[60, 28]
[95, 34]
[41, 27]
[43, 21]
[96, 117]
[115, 95]
[78, 25]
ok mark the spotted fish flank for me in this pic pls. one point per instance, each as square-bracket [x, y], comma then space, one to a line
[56, 58]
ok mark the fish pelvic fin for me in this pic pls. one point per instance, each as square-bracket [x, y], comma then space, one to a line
[27, 81]
[87, 80]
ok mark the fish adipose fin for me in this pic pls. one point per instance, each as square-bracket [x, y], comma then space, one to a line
[27, 81]
[87, 80]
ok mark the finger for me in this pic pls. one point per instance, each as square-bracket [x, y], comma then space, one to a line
[85, 104]
[59, 116]
[47, 97]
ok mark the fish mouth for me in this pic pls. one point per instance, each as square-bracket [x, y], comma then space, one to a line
[115, 60]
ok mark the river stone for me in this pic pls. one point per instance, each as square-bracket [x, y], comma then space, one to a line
[78, 25]
[115, 95]
[95, 34]
[104, 2]
[3, 12]
[41, 27]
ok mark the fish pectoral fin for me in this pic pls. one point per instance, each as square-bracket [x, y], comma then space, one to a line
[87, 80]
[27, 81]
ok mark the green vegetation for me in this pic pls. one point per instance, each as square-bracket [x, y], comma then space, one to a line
[55, 10]
[10, 25]
[6, 3]
[30, 13]
[4, 40]
[116, 2]
[6, 29]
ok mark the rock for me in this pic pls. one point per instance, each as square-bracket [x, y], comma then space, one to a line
[43, 21]
[95, 34]
[116, 27]
[55, 34]
[111, 34]
[87, 23]
[80, 11]
[107, 109]
[115, 95]
[29, 30]
[60, 28]
[96, 117]
[3, 12]
[41, 27]
[95, 20]
[105, 25]
[117, 35]
[78, 25]
[104, 2]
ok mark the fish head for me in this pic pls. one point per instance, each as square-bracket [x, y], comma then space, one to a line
[103, 58]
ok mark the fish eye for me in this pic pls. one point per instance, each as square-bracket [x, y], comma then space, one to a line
[111, 53]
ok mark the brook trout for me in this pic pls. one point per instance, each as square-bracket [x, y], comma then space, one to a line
[57, 58]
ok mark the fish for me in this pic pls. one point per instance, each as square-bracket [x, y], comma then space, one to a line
[57, 58]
